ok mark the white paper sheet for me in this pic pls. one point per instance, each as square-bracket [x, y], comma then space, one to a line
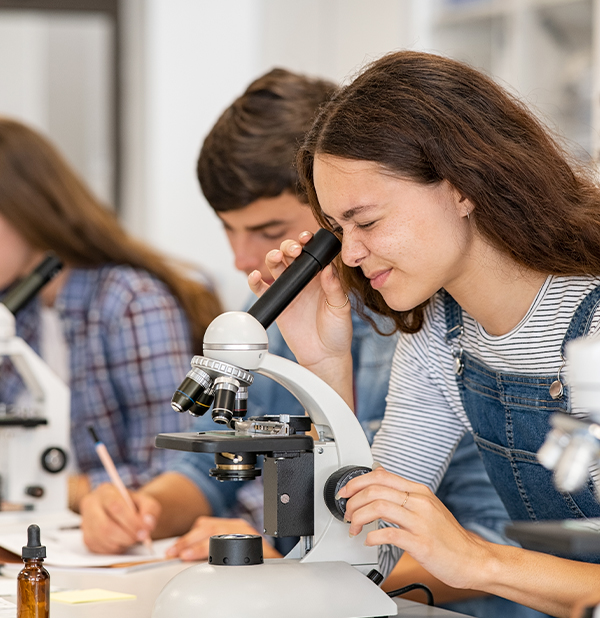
[65, 548]
[7, 609]
[8, 587]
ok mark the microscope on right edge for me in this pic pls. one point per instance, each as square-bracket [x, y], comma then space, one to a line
[302, 476]
[572, 451]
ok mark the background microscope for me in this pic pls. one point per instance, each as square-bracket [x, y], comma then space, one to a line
[34, 440]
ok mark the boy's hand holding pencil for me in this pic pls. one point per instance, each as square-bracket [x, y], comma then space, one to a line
[127, 518]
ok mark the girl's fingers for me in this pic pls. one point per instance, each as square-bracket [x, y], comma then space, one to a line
[277, 261]
[305, 237]
[375, 493]
[334, 293]
[394, 512]
[291, 249]
[256, 284]
[380, 476]
[388, 536]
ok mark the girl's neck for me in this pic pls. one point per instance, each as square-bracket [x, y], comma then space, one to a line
[495, 290]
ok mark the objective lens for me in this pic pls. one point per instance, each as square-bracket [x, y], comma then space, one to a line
[203, 402]
[241, 402]
[226, 390]
[194, 393]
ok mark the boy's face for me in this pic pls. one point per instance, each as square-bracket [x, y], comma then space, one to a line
[261, 226]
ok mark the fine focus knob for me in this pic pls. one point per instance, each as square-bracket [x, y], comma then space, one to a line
[235, 549]
[335, 482]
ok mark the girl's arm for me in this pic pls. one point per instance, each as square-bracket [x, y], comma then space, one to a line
[458, 558]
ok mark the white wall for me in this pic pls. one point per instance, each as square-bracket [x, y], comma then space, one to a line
[195, 56]
[55, 76]
[188, 59]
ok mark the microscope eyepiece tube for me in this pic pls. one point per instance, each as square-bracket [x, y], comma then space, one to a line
[28, 287]
[316, 254]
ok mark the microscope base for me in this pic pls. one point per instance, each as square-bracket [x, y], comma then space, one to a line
[276, 588]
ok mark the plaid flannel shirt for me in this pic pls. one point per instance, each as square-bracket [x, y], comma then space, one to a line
[129, 348]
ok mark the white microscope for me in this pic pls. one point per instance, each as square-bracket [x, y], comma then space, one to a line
[336, 574]
[34, 443]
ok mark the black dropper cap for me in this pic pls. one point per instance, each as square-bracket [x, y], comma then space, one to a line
[34, 547]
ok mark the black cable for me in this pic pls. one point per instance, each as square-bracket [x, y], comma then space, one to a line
[423, 587]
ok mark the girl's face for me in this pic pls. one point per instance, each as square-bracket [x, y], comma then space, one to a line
[409, 239]
[17, 257]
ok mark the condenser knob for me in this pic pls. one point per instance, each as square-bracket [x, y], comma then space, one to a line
[35, 491]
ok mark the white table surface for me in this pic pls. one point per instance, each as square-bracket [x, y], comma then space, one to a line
[146, 584]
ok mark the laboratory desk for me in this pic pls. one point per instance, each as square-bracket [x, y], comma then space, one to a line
[146, 585]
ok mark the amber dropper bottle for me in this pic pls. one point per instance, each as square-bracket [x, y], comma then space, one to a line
[33, 582]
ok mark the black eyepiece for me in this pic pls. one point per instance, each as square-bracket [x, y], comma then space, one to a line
[316, 254]
[28, 287]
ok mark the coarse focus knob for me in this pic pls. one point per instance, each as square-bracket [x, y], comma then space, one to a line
[54, 459]
[333, 485]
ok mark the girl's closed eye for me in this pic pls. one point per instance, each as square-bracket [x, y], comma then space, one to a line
[365, 226]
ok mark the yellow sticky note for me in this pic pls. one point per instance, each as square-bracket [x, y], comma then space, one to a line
[91, 595]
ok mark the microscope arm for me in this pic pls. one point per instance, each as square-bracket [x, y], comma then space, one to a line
[51, 398]
[328, 411]
[39, 379]
[338, 429]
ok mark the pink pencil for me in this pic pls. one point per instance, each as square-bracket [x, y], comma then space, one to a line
[113, 474]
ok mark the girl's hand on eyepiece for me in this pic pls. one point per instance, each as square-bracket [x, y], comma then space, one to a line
[319, 333]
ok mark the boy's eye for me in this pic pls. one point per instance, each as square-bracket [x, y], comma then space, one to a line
[272, 236]
[364, 226]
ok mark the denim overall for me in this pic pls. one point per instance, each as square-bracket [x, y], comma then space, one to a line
[509, 414]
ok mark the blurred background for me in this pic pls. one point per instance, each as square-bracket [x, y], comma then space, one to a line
[129, 88]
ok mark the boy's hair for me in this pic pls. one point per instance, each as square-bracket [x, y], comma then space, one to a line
[249, 153]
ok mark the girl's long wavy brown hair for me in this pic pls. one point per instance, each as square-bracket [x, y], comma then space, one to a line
[427, 118]
[52, 209]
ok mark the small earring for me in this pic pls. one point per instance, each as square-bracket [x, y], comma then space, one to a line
[468, 215]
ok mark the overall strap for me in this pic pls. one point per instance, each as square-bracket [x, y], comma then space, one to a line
[582, 318]
[454, 321]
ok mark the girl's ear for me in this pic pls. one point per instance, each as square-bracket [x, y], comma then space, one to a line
[463, 206]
